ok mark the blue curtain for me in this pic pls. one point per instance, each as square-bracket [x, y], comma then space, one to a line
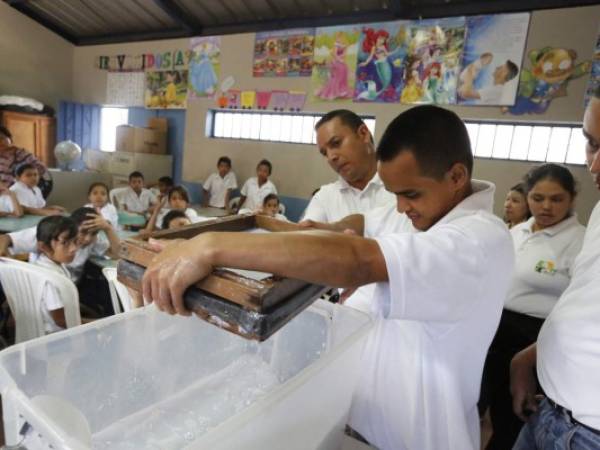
[79, 123]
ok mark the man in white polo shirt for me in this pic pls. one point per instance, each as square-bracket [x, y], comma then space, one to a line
[567, 353]
[346, 142]
[438, 295]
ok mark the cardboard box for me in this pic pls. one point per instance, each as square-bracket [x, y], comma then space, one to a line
[158, 124]
[141, 140]
[152, 166]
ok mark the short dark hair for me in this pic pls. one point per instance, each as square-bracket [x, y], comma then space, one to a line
[266, 163]
[23, 167]
[270, 197]
[5, 132]
[347, 117]
[519, 187]
[181, 191]
[95, 185]
[80, 215]
[554, 172]
[51, 227]
[172, 215]
[437, 138]
[513, 70]
[136, 174]
[166, 180]
[225, 160]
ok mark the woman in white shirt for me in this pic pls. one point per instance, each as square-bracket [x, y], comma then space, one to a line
[545, 247]
[516, 209]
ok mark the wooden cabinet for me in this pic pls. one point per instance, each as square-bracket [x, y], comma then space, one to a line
[33, 132]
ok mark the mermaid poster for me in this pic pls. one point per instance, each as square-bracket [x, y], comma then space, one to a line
[381, 62]
[334, 66]
[204, 66]
[434, 54]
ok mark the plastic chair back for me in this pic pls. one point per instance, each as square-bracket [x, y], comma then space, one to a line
[23, 285]
[115, 196]
[119, 295]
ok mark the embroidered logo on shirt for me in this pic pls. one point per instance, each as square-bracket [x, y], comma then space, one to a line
[545, 267]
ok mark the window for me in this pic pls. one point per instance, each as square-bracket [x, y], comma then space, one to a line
[528, 142]
[297, 128]
[110, 119]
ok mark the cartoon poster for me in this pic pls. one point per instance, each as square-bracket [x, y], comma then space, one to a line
[204, 66]
[432, 66]
[166, 89]
[334, 66]
[381, 62]
[286, 53]
[547, 77]
[492, 57]
[594, 80]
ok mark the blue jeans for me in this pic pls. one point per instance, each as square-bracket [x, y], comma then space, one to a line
[551, 429]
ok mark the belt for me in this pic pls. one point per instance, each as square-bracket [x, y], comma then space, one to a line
[569, 414]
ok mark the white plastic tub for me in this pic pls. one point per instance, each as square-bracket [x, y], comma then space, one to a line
[147, 380]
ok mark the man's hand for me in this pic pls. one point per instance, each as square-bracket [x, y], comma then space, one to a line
[523, 384]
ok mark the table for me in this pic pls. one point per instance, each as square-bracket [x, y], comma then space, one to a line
[209, 211]
[131, 219]
[12, 224]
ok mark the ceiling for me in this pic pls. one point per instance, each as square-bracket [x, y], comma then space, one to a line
[89, 22]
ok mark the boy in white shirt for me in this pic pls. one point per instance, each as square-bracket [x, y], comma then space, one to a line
[136, 198]
[255, 189]
[438, 296]
[29, 194]
[9, 205]
[218, 186]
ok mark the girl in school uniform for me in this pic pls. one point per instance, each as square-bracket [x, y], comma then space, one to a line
[9, 204]
[177, 199]
[545, 248]
[99, 200]
[516, 209]
[271, 207]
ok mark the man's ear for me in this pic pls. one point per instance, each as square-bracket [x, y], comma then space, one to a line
[364, 133]
[459, 175]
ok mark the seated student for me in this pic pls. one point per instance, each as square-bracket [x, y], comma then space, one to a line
[136, 198]
[162, 187]
[516, 209]
[56, 241]
[9, 205]
[99, 200]
[545, 248]
[218, 186]
[439, 292]
[255, 189]
[175, 219]
[271, 207]
[29, 194]
[178, 200]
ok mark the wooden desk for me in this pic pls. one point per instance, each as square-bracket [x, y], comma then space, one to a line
[209, 211]
[12, 224]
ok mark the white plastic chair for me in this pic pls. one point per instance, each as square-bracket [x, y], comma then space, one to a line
[121, 299]
[23, 285]
[115, 196]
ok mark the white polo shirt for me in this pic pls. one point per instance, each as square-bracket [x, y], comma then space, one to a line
[436, 317]
[256, 194]
[27, 196]
[568, 346]
[6, 204]
[137, 203]
[544, 260]
[109, 212]
[50, 296]
[217, 187]
[337, 200]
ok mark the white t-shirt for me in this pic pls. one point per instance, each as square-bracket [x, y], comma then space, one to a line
[255, 195]
[50, 296]
[544, 260]
[189, 212]
[109, 212]
[6, 204]
[496, 94]
[217, 187]
[568, 346]
[137, 203]
[436, 317]
[27, 196]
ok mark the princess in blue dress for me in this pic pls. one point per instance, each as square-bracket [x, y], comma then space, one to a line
[203, 76]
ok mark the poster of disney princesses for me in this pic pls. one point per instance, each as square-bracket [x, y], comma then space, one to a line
[594, 80]
[432, 66]
[334, 66]
[287, 53]
[381, 59]
[204, 66]
[492, 57]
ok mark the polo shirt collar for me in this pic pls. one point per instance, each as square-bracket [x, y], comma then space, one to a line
[553, 230]
[342, 184]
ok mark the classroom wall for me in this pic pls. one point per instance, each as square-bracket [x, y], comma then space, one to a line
[36, 62]
[299, 169]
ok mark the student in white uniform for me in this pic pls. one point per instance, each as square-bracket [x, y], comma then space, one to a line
[545, 246]
[346, 142]
[9, 204]
[270, 207]
[175, 219]
[136, 198]
[255, 189]
[516, 209]
[567, 353]
[439, 292]
[218, 186]
[29, 194]
[176, 199]
[99, 200]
